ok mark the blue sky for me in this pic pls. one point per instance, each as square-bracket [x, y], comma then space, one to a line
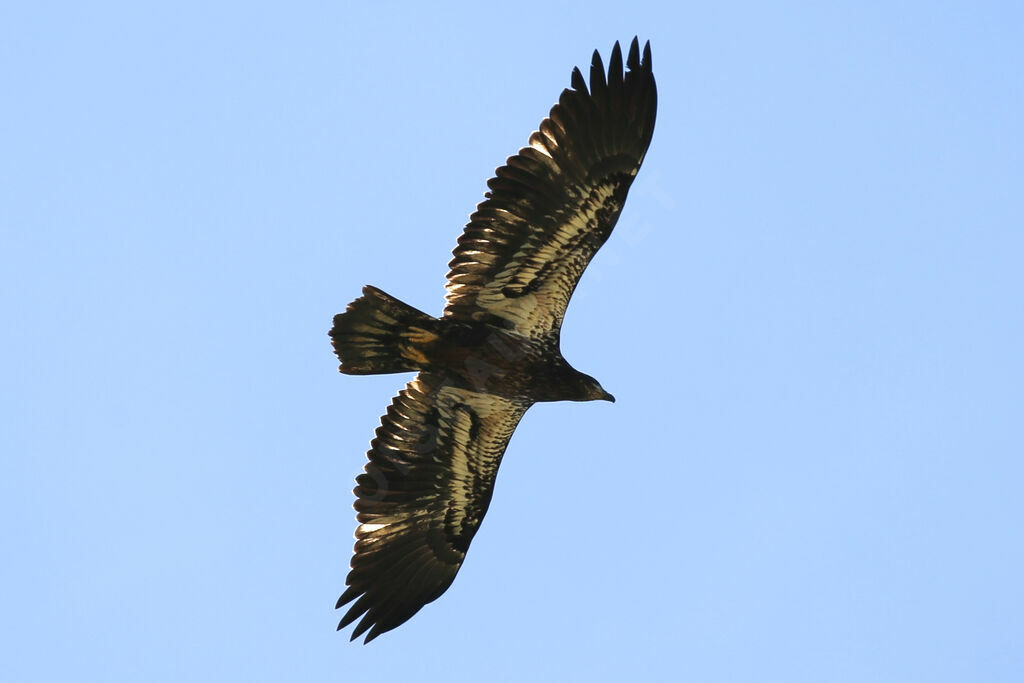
[810, 314]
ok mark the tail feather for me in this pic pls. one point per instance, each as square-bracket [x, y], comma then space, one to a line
[378, 334]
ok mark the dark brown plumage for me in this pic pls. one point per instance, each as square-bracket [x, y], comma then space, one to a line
[495, 351]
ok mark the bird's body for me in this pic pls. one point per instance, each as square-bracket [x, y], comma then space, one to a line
[495, 351]
[471, 355]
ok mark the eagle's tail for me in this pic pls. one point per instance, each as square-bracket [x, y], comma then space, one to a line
[377, 334]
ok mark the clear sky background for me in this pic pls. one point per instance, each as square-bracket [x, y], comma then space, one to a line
[811, 314]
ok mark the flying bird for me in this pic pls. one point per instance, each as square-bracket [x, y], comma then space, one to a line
[495, 350]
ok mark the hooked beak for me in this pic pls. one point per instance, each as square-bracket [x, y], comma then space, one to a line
[608, 397]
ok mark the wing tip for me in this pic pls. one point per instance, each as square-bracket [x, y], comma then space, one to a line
[633, 59]
[615, 66]
[601, 78]
[597, 74]
[359, 609]
[577, 81]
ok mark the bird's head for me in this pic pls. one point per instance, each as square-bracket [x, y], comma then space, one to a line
[583, 387]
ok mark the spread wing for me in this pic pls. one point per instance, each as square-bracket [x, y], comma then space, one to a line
[422, 497]
[553, 205]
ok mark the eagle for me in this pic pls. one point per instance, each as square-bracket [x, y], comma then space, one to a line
[494, 352]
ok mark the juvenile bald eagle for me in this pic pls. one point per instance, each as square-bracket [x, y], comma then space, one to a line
[495, 350]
